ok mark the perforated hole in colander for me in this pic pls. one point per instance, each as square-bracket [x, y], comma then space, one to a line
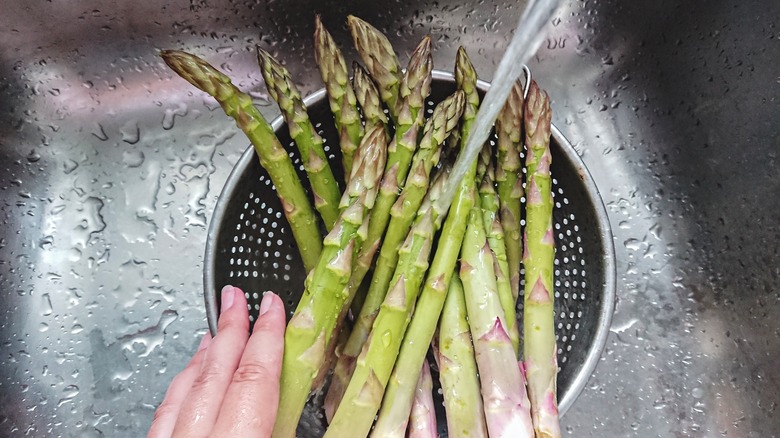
[250, 246]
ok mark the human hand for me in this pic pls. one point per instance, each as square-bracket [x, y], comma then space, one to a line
[231, 385]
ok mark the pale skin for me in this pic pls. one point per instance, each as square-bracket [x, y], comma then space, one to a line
[230, 387]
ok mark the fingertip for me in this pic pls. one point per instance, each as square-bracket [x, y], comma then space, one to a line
[271, 313]
[233, 308]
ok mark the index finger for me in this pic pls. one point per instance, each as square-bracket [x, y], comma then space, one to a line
[251, 401]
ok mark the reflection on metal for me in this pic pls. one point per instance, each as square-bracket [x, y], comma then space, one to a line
[112, 168]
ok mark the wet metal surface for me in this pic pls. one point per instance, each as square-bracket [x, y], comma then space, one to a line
[111, 167]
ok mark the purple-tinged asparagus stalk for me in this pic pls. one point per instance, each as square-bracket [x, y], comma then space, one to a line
[539, 346]
[498, 245]
[507, 409]
[422, 421]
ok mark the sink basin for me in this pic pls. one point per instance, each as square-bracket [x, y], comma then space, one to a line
[112, 168]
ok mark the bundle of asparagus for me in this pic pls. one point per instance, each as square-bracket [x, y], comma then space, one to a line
[418, 284]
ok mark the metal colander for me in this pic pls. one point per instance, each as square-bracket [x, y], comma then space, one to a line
[250, 246]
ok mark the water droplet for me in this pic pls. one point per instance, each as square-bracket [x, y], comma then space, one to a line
[100, 133]
[69, 166]
[130, 132]
[659, 404]
[46, 242]
[697, 393]
[46, 307]
[133, 158]
[91, 221]
[170, 115]
[260, 98]
[145, 341]
[68, 393]
[33, 156]
[387, 338]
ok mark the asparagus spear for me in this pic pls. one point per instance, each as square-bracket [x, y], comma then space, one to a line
[443, 120]
[273, 157]
[379, 57]
[398, 395]
[310, 329]
[368, 97]
[374, 115]
[507, 410]
[285, 93]
[422, 421]
[509, 180]
[363, 395]
[497, 241]
[466, 80]
[538, 314]
[416, 85]
[341, 97]
[458, 369]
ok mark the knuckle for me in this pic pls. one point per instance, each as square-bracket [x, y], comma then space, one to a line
[165, 410]
[252, 373]
[208, 376]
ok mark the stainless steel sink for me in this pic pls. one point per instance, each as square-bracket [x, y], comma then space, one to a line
[112, 166]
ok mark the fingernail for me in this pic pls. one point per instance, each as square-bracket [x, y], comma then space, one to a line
[204, 343]
[265, 304]
[228, 296]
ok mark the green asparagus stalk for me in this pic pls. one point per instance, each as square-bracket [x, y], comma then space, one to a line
[416, 86]
[368, 96]
[443, 120]
[273, 157]
[345, 365]
[507, 409]
[497, 241]
[398, 395]
[343, 103]
[379, 57]
[538, 315]
[458, 369]
[509, 180]
[311, 327]
[315, 162]
[422, 421]
[363, 395]
[374, 115]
